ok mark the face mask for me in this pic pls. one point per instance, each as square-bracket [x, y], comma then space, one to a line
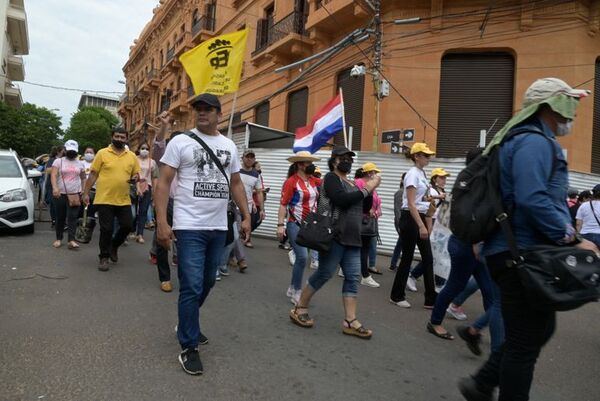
[88, 157]
[118, 144]
[563, 129]
[144, 153]
[344, 166]
[310, 170]
[71, 154]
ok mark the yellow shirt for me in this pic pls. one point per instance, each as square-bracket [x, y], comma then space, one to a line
[114, 171]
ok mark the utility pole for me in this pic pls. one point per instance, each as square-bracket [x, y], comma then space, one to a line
[376, 68]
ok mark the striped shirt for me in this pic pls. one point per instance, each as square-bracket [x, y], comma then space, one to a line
[300, 197]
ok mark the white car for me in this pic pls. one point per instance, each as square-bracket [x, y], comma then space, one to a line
[16, 193]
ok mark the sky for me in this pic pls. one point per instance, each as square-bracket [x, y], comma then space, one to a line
[79, 44]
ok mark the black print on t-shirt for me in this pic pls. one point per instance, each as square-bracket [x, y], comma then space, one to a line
[210, 181]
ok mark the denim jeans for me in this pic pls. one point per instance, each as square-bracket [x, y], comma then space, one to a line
[143, 203]
[314, 255]
[397, 253]
[527, 330]
[470, 289]
[493, 318]
[348, 257]
[463, 265]
[65, 214]
[595, 238]
[162, 254]
[227, 250]
[301, 255]
[199, 252]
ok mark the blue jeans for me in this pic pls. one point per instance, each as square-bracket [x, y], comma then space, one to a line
[143, 203]
[595, 238]
[301, 255]
[470, 289]
[227, 249]
[493, 318]
[199, 252]
[373, 252]
[397, 253]
[348, 257]
[463, 265]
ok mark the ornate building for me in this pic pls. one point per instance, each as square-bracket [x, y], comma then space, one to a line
[454, 67]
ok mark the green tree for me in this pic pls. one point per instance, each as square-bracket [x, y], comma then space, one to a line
[91, 126]
[30, 130]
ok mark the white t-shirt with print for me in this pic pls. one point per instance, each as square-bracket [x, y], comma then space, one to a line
[415, 177]
[589, 223]
[201, 195]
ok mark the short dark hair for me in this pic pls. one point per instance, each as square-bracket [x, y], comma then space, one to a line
[359, 173]
[330, 162]
[119, 130]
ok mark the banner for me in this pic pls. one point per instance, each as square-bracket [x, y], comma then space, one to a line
[215, 65]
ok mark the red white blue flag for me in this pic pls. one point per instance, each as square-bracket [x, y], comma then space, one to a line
[324, 125]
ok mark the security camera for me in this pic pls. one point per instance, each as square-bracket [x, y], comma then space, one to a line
[358, 71]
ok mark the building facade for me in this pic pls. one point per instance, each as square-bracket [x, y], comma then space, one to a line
[458, 66]
[14, 43]
[106, 102]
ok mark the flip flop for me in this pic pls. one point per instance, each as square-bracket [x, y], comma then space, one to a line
[444, 336]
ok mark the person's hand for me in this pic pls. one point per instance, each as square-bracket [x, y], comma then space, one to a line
[56, 193]
[280, 233]
[245, 230]
[165, 118]
[262, 215]
[85, 198]
[477, 251]
[164, 234]
[588, 246]
[372, 183]
[423, 232]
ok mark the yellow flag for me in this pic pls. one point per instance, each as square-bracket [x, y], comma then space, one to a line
[215, 65]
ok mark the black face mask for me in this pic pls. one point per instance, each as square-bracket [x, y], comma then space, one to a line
[310, 170]
[118, 144]
[71, 154]
[344, 166]
[259, 171]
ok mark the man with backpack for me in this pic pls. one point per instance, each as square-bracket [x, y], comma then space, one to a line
[533, 181]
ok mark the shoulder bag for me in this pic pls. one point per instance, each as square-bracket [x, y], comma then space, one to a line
[316, 231]
[594, 212]
[230, 214]
[74, 200]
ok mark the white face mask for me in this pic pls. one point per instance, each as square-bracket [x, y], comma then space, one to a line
[144, 153]
[88, 157]
[563, 129]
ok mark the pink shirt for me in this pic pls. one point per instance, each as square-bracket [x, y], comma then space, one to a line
[376, 208]
[69, 175]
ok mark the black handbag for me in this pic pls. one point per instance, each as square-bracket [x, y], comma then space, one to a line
[230, 216]
[316, 232]
[369, 227]
[555, 278]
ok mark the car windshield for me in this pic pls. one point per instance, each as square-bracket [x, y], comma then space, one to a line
[9, 168]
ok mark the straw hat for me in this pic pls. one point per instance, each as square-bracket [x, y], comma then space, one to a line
[303, 156]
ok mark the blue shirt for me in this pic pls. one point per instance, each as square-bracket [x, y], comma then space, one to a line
[534, 182]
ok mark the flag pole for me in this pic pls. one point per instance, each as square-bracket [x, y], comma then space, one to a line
[344, 118]
[230, 128]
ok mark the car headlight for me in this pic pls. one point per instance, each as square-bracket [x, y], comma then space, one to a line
[14, 195]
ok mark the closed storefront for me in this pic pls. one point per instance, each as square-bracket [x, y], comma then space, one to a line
[476, 93]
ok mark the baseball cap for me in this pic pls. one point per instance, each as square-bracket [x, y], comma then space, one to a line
[544, 88]
[72, 145]
[368, 167]
[317, 170]
[572, 193]
[206, 98]
[248, 152]
[596, 189]
[342, 150]
[421, 147]
[439, 172]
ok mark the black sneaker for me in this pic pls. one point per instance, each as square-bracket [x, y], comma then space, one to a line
[114, 256]
[103, 265]
[472, 340]
[190, 361]
[471, 391]
[202, 339]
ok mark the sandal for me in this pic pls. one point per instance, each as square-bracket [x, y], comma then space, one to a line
[375, 270]
[73, 245]
[444, 336]
[359, 331]
[301, 319]
[57, 243]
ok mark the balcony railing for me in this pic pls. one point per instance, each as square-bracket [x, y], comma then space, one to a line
[152, 74]
[292, 23]
[166, 103]
[170, 54]
[204, 23]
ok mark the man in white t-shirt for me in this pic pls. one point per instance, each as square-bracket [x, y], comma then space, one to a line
[252, 183]
[199, 216]
[588, 218]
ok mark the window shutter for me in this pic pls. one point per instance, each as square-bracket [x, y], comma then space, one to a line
[297, 109]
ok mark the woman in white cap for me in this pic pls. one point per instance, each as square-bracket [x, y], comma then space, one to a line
[299, 197]
[68, 176]
[413, 228]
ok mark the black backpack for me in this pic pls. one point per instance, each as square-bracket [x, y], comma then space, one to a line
[476, 208]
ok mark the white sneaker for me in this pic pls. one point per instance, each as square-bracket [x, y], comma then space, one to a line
[456, 313]
[314, 264]
[411, 284]
[369, 282]
[218, 278]
[402, 304]
[290, 292]
[295, 298]
[292, 257]
[341, 273]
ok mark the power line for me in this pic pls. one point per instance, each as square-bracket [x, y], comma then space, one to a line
[64, 88]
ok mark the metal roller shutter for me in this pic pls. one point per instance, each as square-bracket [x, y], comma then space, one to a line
[475, 90]
[354, 90]
[297, 107]
[596, 129]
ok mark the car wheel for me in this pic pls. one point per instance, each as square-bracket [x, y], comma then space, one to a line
[30, 229]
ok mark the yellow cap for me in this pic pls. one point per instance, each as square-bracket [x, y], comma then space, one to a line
[367, 167]
[421, 147]
[317, 170]
[439, 172]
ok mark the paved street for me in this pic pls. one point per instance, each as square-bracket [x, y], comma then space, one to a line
[70, 332]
